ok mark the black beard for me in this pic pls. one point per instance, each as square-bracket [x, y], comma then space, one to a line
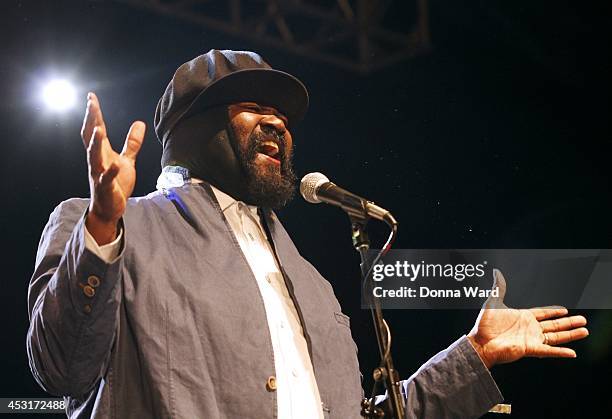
[267, 186]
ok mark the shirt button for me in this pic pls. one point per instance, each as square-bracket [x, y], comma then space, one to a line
[282, 325]
[294, 372]
[94, 281]
[271, 383]
[89, 291]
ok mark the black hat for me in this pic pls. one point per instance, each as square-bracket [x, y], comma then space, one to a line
[224, 77]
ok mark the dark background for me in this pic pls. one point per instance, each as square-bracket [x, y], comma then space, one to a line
[497, 138]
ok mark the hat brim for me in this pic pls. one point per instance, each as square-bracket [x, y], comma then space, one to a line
[261, 85]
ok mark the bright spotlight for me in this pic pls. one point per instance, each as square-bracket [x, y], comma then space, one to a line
[59, 95]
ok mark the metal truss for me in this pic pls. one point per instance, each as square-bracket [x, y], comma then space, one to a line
[359, 35]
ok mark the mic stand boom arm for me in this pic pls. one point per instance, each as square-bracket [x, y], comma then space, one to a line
[386, 371]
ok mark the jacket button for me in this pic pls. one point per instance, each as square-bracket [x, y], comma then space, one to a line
[87, 308]
[271, 383]
[89, 291]
[94, 281]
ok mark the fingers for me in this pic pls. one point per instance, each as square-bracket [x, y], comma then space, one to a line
[559, 338]
[93, 118]
[88, 125]
[94, 153]
[106, 178]
[133, 140]
[499, 283]
[558, 332]
[554, 352]
[565, 323]
[543, 313]
[102, 178]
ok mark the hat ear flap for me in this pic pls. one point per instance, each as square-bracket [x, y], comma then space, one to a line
[205, 145]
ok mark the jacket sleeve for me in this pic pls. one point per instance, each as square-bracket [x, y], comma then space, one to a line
[454, 383]
[73, 305]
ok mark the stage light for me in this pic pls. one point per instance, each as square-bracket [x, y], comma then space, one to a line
[59, 95]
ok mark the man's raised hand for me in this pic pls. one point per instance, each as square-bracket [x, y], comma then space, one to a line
[503, 334]
[112, 175]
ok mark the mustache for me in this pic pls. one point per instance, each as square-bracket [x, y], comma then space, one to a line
[268, 133]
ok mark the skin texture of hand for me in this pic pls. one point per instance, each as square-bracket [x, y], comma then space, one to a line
[503, 334]
[112, 175]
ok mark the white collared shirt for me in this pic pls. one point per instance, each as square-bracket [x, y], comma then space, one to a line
[297, 392]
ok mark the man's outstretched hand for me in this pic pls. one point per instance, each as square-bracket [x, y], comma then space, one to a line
[503, 334]
[112, 175]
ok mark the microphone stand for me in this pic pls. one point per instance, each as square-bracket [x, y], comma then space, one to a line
[386, 372]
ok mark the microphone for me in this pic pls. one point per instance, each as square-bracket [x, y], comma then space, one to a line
[316, 188]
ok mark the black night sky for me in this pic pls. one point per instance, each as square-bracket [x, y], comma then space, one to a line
[498, 137]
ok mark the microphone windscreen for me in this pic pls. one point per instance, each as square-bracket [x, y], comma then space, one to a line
[309, 185]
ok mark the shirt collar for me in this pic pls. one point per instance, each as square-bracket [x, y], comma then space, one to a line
[173, 176]
[225, 201]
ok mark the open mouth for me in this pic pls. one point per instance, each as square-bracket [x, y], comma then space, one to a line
[269, 149]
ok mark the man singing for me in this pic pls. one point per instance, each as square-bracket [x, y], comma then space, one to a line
[193, 302]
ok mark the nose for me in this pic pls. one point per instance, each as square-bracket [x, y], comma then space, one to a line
[274, 122]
